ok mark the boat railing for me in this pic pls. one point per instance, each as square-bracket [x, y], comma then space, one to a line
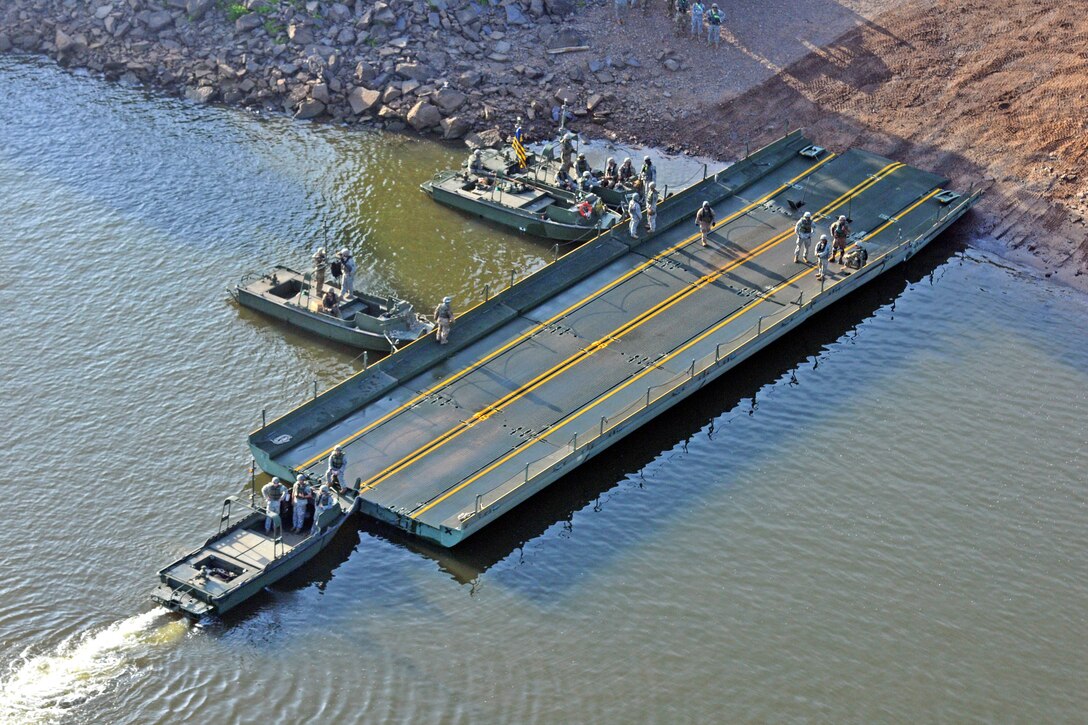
[279, 547]
[723, 353]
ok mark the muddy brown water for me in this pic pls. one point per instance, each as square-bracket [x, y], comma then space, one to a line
[882, 518]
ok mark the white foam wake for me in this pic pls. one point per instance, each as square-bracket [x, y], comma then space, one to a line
[43, 687]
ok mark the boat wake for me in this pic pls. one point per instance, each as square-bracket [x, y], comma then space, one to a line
[41, 688]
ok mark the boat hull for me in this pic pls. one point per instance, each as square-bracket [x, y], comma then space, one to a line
[526, 222]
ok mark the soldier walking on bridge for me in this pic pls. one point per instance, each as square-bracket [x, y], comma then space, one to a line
[840, 230]
[704, 219]
[804, 237]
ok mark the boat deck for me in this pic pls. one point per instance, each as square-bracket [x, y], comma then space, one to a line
[554, 379]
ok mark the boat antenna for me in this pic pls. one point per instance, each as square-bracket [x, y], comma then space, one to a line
[325, 232]
[252, 481]
[562, 116]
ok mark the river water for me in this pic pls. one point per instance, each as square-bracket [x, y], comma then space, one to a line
[881, 518]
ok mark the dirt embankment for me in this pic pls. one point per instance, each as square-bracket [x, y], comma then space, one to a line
[986, 92]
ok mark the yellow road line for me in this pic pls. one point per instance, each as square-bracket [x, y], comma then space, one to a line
[607, 339]
[532, 331]
[694, 341]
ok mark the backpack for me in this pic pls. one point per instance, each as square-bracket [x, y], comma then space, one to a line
[336, 269]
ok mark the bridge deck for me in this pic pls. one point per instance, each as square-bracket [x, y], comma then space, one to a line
[448, 449]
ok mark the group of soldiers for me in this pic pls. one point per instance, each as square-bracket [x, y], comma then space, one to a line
[342, 268]
[699, 19]
[576, 174]
[292, 504]
[827, 249]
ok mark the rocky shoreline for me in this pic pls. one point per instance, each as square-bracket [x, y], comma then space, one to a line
[981, 105]
[450, 68]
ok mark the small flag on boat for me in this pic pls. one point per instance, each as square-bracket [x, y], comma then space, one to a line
[519, 149]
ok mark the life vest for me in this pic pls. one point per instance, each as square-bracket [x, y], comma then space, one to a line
[838, 229]
[585, 209]
[805, 225]
[682, 5]
[714, 17]
[336, 461]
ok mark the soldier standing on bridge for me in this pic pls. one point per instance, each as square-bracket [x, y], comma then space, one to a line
[840, 230]
[634, 208]
[704, 219]
[804, 237]
[651, 207]
[823, 252]
[443, 317]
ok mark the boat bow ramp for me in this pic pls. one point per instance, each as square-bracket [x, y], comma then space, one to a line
[442, 440]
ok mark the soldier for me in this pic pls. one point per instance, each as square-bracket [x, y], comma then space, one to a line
[651, 207]
[627, 171]
[582, 167]
[566, 150]
[443, 317]
[697, 19]
[347, 284]
[272, 492]
[840, 230]
[704, 219]
[303, 495]
[319, 272]
[322, 502]
[611, 173]
[648, 173]
[682, 7]
[803, 227]
[823, 252]
[476, 163]
[337, 463]
[714, 26]
[634, 208]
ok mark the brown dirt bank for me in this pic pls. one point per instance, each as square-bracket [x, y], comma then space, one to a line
[989, 92]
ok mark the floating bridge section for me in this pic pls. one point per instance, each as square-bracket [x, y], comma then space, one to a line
[442, 440]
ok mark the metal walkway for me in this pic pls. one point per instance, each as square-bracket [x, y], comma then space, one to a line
[539, 385]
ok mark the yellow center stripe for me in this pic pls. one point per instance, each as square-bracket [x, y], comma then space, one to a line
[604, 341]
[647, 371]
[537, 328]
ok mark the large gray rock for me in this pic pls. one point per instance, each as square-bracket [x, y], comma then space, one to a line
[309, 108]
[248, 22]
[197, 8]
[203, 94]
[559, 7]
[449, 100]
[5, 43]
[300, 34]
[63, 41]
[383, 15]
[514, 15]
[158, 20]
[424, 116]
[455, 127]
[320, 92]
[363, 99]
[415, 71]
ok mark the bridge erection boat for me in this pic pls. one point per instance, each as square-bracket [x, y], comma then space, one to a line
[365, 321]
[243, 557]
[539, 379]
